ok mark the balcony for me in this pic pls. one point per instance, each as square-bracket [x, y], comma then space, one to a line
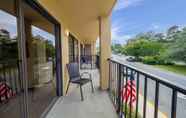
[39, 79]
[95, 105]
[149, 102]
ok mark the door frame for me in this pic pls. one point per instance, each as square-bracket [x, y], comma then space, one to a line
[22, 50]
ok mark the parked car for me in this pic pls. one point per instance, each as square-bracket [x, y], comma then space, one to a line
[131, 59]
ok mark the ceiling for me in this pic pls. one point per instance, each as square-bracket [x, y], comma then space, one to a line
[80, 16]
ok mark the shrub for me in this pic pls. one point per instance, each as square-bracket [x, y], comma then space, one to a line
[149, 60]
[156, 60]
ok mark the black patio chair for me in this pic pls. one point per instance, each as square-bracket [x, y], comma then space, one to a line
[77, 78]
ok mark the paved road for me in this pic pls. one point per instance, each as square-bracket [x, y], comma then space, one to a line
[165, 93]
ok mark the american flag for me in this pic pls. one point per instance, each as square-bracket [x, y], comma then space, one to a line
[128, 92]
[5, 92]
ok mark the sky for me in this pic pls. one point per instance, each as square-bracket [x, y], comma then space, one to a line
[131, 17]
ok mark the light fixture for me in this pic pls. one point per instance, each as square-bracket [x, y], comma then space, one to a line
[67, 33]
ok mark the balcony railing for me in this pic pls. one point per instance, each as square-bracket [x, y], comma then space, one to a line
[89, 61]
[86, 61]
[122, 76]
[9, 73]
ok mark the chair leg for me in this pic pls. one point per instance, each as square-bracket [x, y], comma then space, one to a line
[67, 87]
[81, 91]
[92, 86]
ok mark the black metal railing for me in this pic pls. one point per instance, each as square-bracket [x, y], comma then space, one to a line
[119, 77]
[89, 61]
[73, 58]
[9, 73]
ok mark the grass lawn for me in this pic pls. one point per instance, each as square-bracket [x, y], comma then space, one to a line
[179, 69]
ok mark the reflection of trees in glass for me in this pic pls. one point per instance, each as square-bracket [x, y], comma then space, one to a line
[8, 46]
[50, 49]
[43, 50]
[9, 50]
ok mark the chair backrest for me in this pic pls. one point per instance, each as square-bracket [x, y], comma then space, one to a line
[73, 70]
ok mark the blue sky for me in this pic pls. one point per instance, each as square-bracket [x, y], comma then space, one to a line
[131, 17]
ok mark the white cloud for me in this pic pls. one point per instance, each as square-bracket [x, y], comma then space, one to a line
[155, 26]
[117, 37]
[122, 4]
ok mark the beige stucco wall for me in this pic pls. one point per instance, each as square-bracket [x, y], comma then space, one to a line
[65, 57]
[105, 50]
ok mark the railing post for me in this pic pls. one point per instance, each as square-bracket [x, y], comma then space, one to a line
[145, 98]
[126, 80]
[137, 95]
[130, 103]
[109, 75]
[119, 88]
[174, 104]
[156, 100]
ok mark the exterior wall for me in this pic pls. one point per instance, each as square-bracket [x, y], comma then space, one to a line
[65, 57]
[105, 50]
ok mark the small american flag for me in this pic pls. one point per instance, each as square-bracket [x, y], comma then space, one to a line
[5, 92]
[128, 92]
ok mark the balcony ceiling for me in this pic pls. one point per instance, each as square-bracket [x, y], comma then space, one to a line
[80, 16]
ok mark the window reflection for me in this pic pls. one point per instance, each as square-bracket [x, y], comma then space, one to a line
[10, 83]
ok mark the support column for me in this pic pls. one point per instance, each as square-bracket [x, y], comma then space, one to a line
[93, 48]
[105, 50]
[65, 57]
[79, 52]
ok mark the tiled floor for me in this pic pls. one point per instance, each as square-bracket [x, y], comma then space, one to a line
[95, 105]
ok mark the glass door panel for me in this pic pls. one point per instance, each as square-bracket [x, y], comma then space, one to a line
[11, 91]
[40, 49]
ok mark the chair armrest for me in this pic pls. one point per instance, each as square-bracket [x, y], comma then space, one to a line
[85, 73]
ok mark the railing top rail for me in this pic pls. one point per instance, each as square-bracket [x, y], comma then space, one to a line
[163, 81]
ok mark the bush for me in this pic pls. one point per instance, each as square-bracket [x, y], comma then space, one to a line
[156, 60]
[149, 60]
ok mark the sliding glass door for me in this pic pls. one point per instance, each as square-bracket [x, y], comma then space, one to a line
[30, 59]
[11, 89]
[42, 59]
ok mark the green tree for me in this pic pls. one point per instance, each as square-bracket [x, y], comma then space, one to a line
[118, 48]
[177, 50]
[143, 47]
[8, 48]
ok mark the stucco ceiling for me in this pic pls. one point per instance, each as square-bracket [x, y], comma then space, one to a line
[80, 16]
